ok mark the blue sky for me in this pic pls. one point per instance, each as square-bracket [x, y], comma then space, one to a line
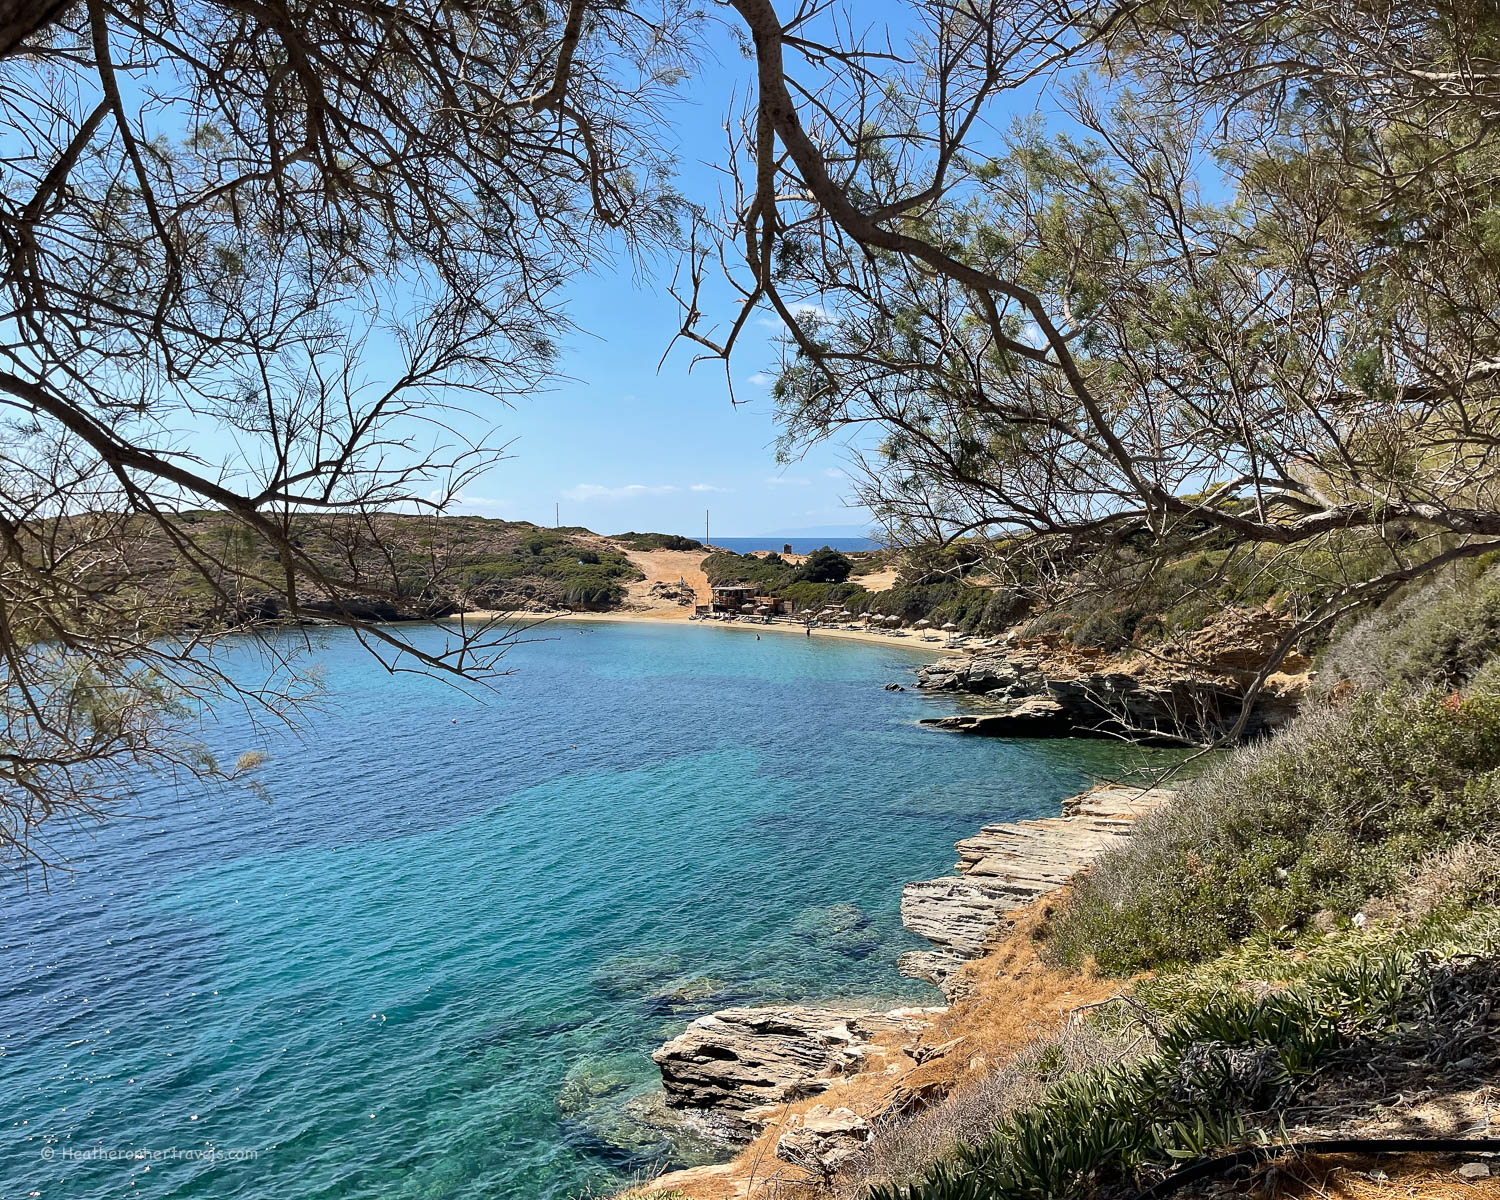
[617, 443]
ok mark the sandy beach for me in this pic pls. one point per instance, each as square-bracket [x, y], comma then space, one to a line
[911, 642]
[684, 566]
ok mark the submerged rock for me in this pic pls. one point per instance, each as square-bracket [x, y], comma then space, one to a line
[837, 928]
[607, 1110]
[736, 1060]
[635, 974]
[702, 992]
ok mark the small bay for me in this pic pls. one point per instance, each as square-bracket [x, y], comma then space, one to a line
[435, 962]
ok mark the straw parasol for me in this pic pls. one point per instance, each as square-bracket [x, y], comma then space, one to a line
[924, 623]
[950, 627]
[747, 608]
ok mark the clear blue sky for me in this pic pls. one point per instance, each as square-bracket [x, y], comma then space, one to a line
[619, 444]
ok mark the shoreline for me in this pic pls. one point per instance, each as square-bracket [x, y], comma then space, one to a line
[667, 617]
[998, 995]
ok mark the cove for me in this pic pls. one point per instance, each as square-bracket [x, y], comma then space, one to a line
[435, 963]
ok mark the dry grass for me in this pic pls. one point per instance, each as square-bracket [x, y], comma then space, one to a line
[991, 1050]
[907, 1148]
[1350, 1177]
[1466, 875]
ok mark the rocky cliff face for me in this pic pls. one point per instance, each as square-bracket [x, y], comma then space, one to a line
[1006, 866]
[1190, 692]
[727, 1067]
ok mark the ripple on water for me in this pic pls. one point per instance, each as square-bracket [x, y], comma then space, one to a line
[436, 963]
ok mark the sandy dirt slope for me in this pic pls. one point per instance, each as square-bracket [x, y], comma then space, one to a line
[665, 566]
[878, 581]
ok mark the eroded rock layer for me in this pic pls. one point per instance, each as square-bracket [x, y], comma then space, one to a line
[1187, 692]
[729, 1064]
[1006, 866]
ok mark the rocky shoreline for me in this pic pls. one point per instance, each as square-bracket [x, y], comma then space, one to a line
[1190, 692]
[1007, 866]
[739, 1073]
[736, 1071]
[732, 1070]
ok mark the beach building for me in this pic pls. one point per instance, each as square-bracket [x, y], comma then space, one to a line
[730, 598]
[740, 599]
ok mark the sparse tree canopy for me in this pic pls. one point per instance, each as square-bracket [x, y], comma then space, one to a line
[255, 258]
[1250, 298]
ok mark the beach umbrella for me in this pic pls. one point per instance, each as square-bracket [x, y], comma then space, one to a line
[924, 623]
[893, 620]
[950, 627]
[747, 608]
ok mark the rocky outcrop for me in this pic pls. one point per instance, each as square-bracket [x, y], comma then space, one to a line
[680, 593]
[823, 1139]
[729, 1064]
[1006, 866]
[1189, 691]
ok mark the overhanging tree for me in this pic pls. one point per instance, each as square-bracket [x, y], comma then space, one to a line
[256, 258]
[1248, 299]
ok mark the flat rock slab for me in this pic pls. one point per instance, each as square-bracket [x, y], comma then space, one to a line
[738, 1059]
[1007, 866]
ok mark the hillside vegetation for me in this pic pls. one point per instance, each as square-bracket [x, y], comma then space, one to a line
[1113, 600]
[1311, 930]
[414, 566]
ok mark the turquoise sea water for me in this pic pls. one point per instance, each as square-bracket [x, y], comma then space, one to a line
[435, 964]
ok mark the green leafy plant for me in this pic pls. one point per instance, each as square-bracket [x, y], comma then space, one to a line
[1315, 821]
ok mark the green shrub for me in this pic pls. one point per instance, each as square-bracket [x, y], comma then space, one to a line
[1213, 1068]
[1321, 817]
[824, 566]
[657, 541]
[1438, 635]
[769, 573]
[551, 566]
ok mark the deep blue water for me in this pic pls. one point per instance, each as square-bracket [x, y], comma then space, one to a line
[799, 545]
[435, 963]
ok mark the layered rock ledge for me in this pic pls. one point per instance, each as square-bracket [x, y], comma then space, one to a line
[727, 1067]
[1006, 866]
[1187, 692]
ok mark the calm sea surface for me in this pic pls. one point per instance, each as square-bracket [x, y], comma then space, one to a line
[434, 965]
[799, 545]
